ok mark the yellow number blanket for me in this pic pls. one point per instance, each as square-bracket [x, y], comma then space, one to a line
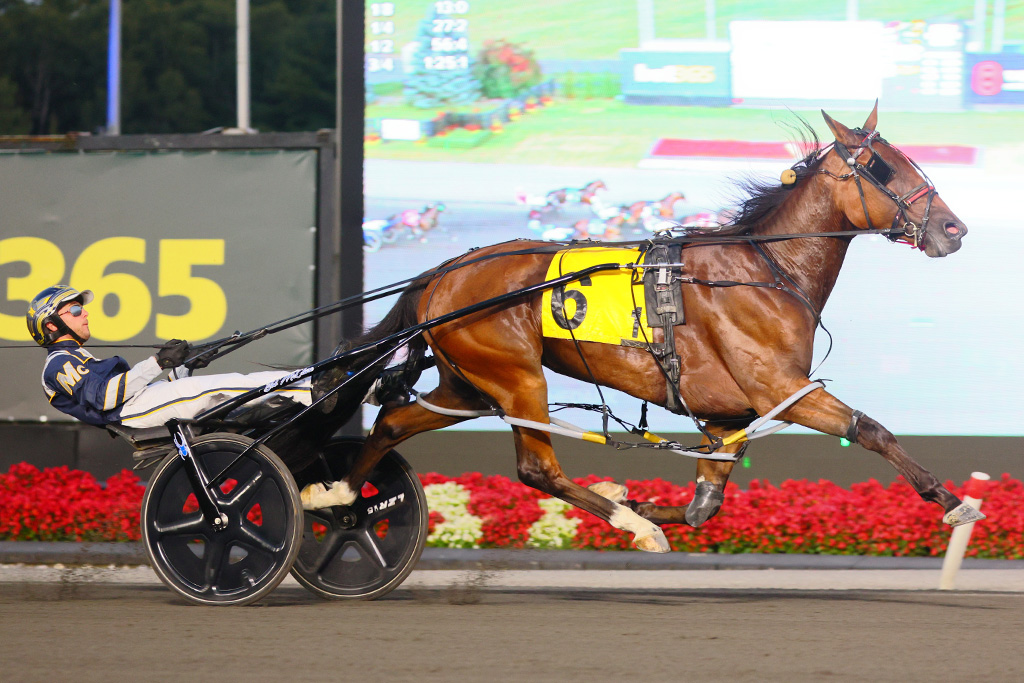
[605, 307]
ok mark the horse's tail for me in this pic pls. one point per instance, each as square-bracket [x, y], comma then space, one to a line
[344, 403]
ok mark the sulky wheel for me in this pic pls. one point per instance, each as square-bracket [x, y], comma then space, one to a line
[362, 551]
[246, 560]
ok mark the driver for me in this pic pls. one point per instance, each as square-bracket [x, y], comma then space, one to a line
[101, 392]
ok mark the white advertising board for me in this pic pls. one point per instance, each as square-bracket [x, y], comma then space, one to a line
[807, 60]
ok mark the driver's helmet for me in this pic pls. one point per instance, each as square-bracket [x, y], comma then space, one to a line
[44, 307]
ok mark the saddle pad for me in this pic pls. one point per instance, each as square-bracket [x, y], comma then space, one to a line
[605, 307]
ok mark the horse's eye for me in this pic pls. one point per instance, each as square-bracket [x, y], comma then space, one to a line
[879, 169]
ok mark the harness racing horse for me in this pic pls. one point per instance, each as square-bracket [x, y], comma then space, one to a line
[743, 349]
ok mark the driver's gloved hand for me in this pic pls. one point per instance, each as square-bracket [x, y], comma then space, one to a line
[173, 353]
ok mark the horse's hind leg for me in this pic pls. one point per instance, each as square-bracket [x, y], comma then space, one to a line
[394, 424]
[539, 469]
[823, 412]
[712, 476]
[522, 392]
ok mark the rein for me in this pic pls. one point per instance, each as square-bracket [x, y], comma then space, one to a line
[207, 352]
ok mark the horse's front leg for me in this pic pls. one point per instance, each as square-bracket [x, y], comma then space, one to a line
[823, 412]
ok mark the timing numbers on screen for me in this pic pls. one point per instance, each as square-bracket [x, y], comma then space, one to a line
[208, 306]
[449, 44]
[451, 7]
[382, 27]
[383, 46]
[451, 25]
[375, 64]
[446, 62]
[382, 9]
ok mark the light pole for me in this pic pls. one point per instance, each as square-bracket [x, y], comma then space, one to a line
[242, 64]
[114, 70]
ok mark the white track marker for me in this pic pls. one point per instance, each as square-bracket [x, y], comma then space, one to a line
[962, 534]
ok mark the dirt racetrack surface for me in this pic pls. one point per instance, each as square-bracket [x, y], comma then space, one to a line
[102, 632]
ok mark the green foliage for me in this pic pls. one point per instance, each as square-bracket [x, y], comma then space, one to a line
[177, 65]
[586, 85]
[49, 52]
[14, 120]
[506, 69]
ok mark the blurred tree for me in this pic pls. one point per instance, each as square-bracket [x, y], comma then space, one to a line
[51, 52]
[293, 64]
[14, 119]
[177, 65]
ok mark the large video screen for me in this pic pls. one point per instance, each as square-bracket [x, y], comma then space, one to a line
[489, 121]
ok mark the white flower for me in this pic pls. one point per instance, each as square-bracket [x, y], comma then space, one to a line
[459, 528]
[553, 529]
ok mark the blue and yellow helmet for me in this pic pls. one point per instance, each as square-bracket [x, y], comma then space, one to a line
[44, 307]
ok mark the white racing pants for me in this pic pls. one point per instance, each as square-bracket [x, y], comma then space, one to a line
[189, 396]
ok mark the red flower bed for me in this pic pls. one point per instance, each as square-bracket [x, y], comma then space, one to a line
[59, 504]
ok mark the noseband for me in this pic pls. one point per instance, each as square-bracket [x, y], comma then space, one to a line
[879, 173]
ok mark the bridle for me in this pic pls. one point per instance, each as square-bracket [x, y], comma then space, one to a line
[879, 173]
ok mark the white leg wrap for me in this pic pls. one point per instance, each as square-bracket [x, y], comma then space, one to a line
[616, 493]
[646, 534]
[317, 496]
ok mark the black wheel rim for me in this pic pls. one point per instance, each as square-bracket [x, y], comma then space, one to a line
[228, 565]
[366, 549]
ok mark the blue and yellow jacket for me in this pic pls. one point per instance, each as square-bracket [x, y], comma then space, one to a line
[89, 389]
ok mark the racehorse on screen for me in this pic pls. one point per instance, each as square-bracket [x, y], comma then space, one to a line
[743, 350]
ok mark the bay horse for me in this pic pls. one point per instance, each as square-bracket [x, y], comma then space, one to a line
[743, 349]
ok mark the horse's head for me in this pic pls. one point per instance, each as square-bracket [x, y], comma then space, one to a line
[884, 188]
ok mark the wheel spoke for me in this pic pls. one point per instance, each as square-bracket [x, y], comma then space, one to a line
[214, 557]
[367, 540]
[244, 492]
[329, 548]
[249, 533]
[325, 516]
[190, 525]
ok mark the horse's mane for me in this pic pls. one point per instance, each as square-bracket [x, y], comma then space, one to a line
[760, 197]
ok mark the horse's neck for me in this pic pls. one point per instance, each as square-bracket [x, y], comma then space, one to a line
[814, 264]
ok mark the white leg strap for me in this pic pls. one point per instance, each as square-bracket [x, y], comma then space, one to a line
[452, 412]
[568, 429]
[754, 431]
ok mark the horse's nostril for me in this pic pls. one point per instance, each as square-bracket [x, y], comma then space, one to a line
[954, 230]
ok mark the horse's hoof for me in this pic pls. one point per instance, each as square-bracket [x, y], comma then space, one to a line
[706, 503]
[616, 493]
[317, 496]
[655, 543]
[962, 514]
[311, 495]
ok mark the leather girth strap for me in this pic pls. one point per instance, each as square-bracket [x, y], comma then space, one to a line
[663, 299]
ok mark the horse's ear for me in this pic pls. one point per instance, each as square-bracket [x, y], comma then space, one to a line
[842, 133]
[872, 120]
